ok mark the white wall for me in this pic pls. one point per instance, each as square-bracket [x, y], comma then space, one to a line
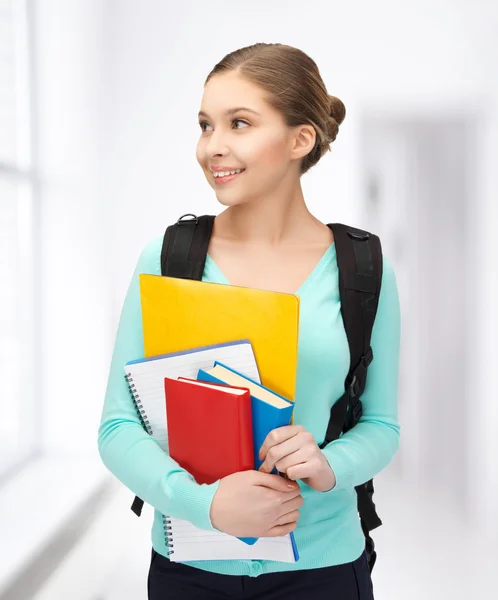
[483, 358]
[76, 289]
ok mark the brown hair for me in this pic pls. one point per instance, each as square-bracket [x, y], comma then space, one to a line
[295, 88]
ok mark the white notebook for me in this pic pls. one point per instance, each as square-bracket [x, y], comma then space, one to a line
[145, 378]
[188, 543]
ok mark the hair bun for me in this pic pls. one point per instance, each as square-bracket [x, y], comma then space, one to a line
[337, 109]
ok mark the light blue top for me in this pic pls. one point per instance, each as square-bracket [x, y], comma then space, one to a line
[329, 530]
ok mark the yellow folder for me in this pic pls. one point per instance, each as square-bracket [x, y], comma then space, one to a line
[179, 314]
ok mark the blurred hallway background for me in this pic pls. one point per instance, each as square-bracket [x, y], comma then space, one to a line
[98, 127]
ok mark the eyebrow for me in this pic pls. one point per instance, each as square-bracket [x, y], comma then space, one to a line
[231, 111]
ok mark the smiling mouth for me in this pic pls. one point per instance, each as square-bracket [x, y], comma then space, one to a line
[227, 178]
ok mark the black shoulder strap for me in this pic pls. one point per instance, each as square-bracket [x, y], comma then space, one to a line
[183, 255]
[359, 258]
[185, 247]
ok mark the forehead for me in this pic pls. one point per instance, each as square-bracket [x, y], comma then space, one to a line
[225, 91]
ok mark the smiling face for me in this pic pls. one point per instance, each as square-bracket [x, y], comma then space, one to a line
[256, 140]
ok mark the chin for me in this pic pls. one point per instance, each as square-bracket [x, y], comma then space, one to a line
[228, 201]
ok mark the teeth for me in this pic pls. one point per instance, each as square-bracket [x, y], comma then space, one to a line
[225, 173]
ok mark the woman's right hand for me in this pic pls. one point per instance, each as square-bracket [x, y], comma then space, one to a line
[255, 504]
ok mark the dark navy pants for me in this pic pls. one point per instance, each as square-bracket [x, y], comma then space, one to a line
[168, 580]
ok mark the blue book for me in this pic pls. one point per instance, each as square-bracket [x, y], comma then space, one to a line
[269, 411]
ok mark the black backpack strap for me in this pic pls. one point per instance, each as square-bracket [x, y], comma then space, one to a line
[185, 247]
[359, 258]
[183, 255]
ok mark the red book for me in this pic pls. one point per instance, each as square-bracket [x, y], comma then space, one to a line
[209, 428]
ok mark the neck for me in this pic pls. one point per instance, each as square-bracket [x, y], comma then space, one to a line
[280, 220]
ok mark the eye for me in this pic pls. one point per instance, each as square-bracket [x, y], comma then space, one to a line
[240, 121]
[202, 123]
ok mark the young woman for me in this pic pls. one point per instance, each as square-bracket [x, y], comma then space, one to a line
[265, 120]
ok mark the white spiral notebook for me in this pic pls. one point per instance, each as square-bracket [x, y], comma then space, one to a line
[145, 378]
[187, 543]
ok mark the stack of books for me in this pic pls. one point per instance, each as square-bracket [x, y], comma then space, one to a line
[210, 404]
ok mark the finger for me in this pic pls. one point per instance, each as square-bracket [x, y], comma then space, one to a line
[275, 482]
[301, 471]
[291, 496]
[277, 453]
[280, 530]
[289, 517]
[301, 456]
[292, 503]
[277, 436]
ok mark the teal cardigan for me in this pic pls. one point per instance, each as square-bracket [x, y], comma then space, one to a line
[329, 530]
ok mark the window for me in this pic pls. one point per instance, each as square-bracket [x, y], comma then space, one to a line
[19, 381]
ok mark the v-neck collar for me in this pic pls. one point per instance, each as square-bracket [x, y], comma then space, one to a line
[317, 270]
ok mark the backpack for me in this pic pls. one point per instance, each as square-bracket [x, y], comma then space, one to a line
[359, 259]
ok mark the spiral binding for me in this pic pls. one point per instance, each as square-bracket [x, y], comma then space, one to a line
[138, 403]
[167, 534]
[145, 423]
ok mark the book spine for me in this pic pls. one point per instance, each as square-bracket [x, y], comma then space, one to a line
[138, 404]
[294, 546]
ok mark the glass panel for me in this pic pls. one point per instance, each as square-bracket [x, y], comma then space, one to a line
[8, 113]
[17, 339]
[15, 121]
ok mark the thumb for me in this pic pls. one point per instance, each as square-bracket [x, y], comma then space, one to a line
[276, 482]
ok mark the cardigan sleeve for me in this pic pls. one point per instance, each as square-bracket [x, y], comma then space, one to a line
[365, 450]
[126, 449]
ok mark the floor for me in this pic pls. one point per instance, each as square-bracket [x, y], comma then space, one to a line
[425, 550]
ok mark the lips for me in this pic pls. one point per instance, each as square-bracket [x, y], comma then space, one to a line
[227, 178]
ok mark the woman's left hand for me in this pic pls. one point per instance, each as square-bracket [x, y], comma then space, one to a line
[293, 450]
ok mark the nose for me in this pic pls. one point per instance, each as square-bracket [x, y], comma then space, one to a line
[216, 144]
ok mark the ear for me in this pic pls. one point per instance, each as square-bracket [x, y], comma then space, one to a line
[304, 141]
